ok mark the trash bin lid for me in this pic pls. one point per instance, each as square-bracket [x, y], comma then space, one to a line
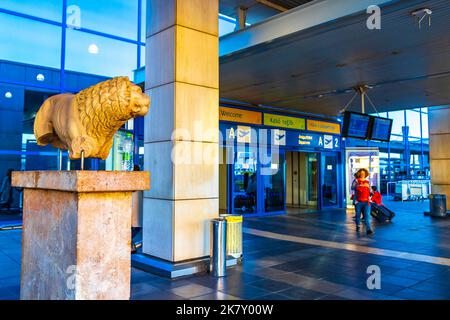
[234, 219]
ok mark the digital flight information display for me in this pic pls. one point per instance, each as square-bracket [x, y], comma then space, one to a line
[381, 129]
[356, 125]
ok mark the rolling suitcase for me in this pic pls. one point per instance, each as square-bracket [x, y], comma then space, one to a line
[381, 213]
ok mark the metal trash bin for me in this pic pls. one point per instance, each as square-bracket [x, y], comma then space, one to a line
[219, 247]
[438, 205]
[234, 236]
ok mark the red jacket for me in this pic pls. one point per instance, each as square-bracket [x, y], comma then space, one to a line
[376, 197]
[363, 191]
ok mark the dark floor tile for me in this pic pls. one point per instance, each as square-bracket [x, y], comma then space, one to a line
[297, 293]
[432, 287]
[167, 284]
[331, 297]
[9, 293]
[288, 266]
[440, 279]
[270, 285]
[274, 296]
[158, 295]
[405, 273]
[216, 295]
[143, 288]
[9, 281]
[399, 281]
[411, 294]
[361, 294]
[191, 290]
[8, 272]
[246, 292]
[396, 263]
[386, 288]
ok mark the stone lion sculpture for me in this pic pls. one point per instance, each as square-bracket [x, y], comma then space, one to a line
[88, 120]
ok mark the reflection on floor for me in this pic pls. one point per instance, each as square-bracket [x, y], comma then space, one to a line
[297, 210]
[304, 256]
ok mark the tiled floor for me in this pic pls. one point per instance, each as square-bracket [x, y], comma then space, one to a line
[302, 267]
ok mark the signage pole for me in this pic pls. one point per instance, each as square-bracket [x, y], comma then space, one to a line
[363, 106]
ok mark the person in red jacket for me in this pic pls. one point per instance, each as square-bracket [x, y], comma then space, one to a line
[362, 203]
[376, 196]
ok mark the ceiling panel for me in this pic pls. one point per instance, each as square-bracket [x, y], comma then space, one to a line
[315, 70]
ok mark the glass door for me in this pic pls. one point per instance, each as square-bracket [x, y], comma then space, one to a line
[245, 181]
[312, 178]
[329, 187]
[273, 182]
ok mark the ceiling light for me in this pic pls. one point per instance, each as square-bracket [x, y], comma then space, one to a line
[8, 95]
[40, 77]
[93, 49]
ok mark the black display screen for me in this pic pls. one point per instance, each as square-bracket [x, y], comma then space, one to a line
[356, 125]
[381, 129]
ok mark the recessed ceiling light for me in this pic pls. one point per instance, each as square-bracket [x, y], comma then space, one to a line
[8, 95]
[93, 49]
[40, 77]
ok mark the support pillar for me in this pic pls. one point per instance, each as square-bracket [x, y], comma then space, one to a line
[77, 233]
[439, 126]
[181, 134]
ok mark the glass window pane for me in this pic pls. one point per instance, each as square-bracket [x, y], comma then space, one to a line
[28, 41]
[245, 181]
[398, 123]
[143, 20]
[413, 122]
[116, 17]
[225, 27]
[99, 55]
[425, 133]
[142, 56]
[273, 180]
[48, 9]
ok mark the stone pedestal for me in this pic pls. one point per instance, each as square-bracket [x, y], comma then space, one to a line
[77, 233]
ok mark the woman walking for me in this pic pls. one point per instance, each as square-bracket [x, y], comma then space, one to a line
[362, 202]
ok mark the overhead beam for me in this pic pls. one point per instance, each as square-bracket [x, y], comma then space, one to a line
[272, 5]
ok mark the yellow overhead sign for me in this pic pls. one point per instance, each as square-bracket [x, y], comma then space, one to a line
[323, 126]
[239, 115]
[275, 120]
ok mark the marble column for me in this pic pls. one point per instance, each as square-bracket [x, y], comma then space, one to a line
[181, 129]
[439, 127]
[77, 233]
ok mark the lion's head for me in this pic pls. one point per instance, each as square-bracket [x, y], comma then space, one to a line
[106, 106]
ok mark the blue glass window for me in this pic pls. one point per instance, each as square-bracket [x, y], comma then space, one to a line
[225, 27]
[99, 55]
[413, 122]
[28, 41]
[48, 9]
[143, 20]
[115, 17]
[142, 56]
[425, 132]
[398, 123]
